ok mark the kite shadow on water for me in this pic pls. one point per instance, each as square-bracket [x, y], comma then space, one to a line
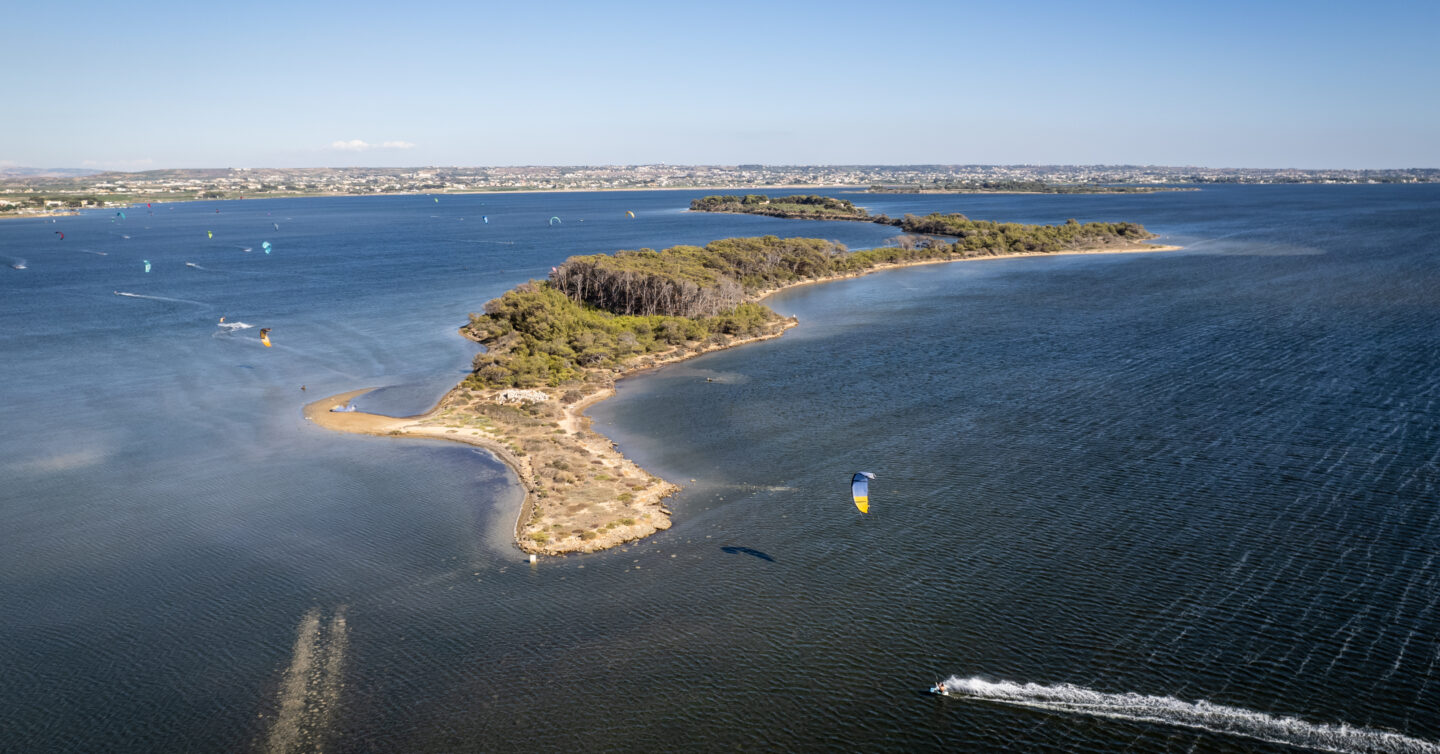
[733, 550]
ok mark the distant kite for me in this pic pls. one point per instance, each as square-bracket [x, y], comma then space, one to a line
[265, 336]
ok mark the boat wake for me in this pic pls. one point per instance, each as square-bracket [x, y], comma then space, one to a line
[194, 266]
[16, 263]
[1201, 715]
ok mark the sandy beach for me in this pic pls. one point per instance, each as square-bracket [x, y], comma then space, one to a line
[582, 494]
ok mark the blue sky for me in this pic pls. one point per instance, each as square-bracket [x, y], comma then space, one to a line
[136, 86]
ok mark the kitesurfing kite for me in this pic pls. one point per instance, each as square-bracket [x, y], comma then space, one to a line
[265, 336]
[147, 264]
[209, 234]
[554, 221]
[860, 490]
[631, 214]
[266, 246]
[62, 235]
[121, 215]
[277, 225]
[486, 218]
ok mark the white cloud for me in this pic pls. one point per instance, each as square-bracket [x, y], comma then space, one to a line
[360, 145]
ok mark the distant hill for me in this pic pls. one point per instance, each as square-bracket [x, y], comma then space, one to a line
[46, 172]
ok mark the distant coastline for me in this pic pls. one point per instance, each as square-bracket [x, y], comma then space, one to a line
[30, 188]
[165, 199]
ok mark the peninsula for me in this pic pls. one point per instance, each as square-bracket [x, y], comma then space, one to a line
[554, 347]
[970, 237]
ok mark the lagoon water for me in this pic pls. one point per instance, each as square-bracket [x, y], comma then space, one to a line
[1136, 502]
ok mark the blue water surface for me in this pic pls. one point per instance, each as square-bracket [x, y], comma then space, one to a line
[1138, 482]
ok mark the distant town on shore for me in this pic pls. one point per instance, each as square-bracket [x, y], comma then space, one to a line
[37, 190]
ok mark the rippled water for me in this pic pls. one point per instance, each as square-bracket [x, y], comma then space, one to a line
[1201, 480]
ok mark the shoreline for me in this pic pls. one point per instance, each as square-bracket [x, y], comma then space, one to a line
[327, 195]
[1142, 248]
[554, 431]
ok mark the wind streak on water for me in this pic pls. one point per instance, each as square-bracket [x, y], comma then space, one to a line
[1201, 715]
[127, 294]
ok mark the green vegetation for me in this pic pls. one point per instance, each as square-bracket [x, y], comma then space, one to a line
[691, 281]
[598, 314]
[971, 235]
[803, 207]
[1003, 238]
[535, 336]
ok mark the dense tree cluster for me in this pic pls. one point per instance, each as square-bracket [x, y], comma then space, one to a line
[691, 281]
[535, 335]
[805, 207]
[983, 235]
[645, 282]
